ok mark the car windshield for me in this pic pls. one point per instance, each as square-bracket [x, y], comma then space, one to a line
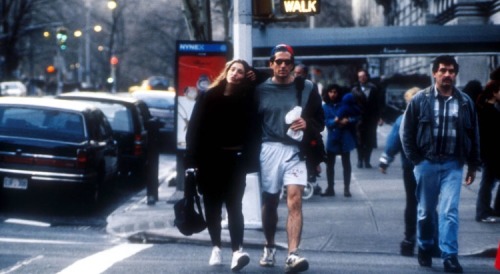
[42, 124]
[118, 116]
[157, 101]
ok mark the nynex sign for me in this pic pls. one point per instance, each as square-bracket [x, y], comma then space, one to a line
[300, 6]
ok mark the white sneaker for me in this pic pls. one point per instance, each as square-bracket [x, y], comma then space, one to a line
[267, 258]
[216, 257]
[240, 260]
[294, 263]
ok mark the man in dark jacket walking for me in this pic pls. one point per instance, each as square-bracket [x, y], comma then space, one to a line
[372, 101]
[440, 134]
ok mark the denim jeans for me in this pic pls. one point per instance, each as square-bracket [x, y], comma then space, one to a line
[438, 185]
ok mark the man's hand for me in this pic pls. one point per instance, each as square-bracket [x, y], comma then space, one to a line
[469, 178]
[251, 75]
[299, 124]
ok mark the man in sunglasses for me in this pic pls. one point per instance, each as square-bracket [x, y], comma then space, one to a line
[283, 148]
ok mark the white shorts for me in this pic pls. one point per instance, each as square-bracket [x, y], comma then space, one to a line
[280, 165]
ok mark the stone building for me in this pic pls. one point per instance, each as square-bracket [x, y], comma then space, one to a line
[442, 12]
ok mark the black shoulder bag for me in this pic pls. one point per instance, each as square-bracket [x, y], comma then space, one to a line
[188, 219]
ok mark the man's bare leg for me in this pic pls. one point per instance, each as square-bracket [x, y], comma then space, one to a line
[294, 221]
[270, 216]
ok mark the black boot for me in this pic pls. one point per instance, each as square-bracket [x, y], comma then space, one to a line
[407, 248]
[347, 192]
[329, 191]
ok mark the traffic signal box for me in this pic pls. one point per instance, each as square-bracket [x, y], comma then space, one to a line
[62, 38]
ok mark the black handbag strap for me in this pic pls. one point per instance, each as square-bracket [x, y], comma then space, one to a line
[198, 204]
[299, 88]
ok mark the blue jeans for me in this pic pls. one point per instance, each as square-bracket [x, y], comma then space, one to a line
[438, 184]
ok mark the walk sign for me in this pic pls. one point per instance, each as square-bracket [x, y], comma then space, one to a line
[300, 6]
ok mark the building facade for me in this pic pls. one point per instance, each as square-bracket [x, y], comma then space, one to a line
[443, 12]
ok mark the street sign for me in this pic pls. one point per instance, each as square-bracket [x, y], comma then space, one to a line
[300, 7]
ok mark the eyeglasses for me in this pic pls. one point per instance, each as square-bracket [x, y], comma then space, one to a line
[281, 61]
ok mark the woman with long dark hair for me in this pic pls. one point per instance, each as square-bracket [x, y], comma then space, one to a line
[218, 148]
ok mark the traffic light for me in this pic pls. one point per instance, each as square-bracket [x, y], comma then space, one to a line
[262, 8]
[62, 37]
[113, 60]
[50, 69]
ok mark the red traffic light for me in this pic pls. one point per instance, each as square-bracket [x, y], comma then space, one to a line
[50, 69]
[113, 60]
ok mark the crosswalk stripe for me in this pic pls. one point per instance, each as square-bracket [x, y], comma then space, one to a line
[99, 262]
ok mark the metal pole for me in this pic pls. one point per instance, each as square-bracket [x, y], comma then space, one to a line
[242, 30]
[87, 47]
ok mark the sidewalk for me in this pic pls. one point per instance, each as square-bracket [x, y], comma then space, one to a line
[371, 221]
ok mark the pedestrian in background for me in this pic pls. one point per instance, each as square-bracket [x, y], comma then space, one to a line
[341, 117]
[392, 148]
[313, 165]
[473, 88]
[218, 146]
[283, 148]
[439, 133]
[495, 75]
[488, 111]
[372, 105]
[301, 70]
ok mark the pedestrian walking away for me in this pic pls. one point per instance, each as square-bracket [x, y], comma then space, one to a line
[392, 148]
[488, 111]
[372, 101]
[440, 134]
[342, 114]
[218, 147]
[284, 146]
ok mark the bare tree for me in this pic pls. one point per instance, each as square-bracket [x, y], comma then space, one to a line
[197, 14]
[18, 19]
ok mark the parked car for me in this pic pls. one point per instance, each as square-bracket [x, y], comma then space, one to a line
[128, 118]
[161, 105]
[12, 88]
[46, 141]
[155, 83]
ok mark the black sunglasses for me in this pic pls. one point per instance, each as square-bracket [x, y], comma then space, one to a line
[280, 61]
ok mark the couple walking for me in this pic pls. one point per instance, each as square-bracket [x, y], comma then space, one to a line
[238, 126]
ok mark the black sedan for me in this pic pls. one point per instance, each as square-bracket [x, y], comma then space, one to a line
[47, 141]
[161, 105]
[128, 118]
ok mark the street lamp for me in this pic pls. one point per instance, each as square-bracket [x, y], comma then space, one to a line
[112, 5]
[78, 34]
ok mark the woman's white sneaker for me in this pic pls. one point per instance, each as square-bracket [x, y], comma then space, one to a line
[216, 257]
[240, 260]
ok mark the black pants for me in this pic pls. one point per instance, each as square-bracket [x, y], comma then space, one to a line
[485, 196]
[364, 155]
[346, 166]
[411, 204]
[223, 180]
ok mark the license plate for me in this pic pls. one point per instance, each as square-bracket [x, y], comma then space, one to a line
[17, 183]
